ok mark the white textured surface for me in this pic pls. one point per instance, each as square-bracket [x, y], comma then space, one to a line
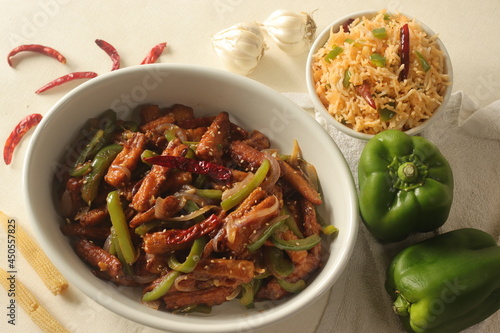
[468, 29]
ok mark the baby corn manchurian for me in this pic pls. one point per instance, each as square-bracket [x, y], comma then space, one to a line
[194, 211]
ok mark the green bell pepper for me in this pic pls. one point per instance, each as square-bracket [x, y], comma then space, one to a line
[405, 186]
[446, 283]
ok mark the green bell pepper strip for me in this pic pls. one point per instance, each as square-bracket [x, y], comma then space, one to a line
[116, 250]
[303, 244]
[277, 263]
[254, 246]
[405, 186]
[247, 295]
[209, 193]
[249, 291]
[107, 126]
[241, 195]
[120, 227]
[446, 283]
[147, 154]
[191, 260]
[100, 165]
[81, 169]
[291, 223]
[292, 287]
[162, 288]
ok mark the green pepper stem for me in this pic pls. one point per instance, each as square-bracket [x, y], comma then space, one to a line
[401, 306]
[407, 172]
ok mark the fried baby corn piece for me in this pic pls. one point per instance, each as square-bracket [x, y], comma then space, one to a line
[214, 141]
[37, 259]
[40, 316]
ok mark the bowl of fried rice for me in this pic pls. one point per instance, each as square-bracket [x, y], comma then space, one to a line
[376, 70]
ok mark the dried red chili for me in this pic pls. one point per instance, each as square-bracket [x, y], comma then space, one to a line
[154, 54]
[404, 52]
[364, 90]
[346, 24]
[17, 134]
[111, 51]
[66, 78]
[48, 51]
[157, 241]
[213, 170]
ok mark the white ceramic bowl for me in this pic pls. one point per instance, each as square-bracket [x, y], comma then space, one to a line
[320, 41]
[208, 91]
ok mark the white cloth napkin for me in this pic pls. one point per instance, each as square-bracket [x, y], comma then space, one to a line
[469, 138]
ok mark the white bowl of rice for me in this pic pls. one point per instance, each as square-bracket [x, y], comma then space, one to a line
[355, 80]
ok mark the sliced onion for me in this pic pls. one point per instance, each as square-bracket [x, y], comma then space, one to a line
[145, 278]
[179, 287]
[159, 209]
[295, 155]
[237, 186]
[123, 169]
[233, 225]
[310, 173]
[152, 304]
[274, 172]
[179, 132]
[107, 243]
[192, 215]
[217, 240]
[188, 192]
[234, 294]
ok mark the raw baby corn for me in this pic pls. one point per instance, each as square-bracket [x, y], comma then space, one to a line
[34, 255]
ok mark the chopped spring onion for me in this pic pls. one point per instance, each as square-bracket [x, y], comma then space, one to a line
[347, 78]
[379, 33]
[425, 65]
[386, 114]
[377, 59]
[329, 230]
[333, 53]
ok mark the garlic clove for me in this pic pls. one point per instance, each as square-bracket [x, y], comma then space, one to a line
[240, 47]
[292, 32]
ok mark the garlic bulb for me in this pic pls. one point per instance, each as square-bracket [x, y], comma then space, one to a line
[240, 47]
[292, 32]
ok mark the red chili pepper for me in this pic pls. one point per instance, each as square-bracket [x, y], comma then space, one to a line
[213, 170]
[404, 52]
[17, 134]
[364, 91]
[154, 54]
[39, 49]
[111, 51]
[66, 78]
[179, 236]
[346, 24]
